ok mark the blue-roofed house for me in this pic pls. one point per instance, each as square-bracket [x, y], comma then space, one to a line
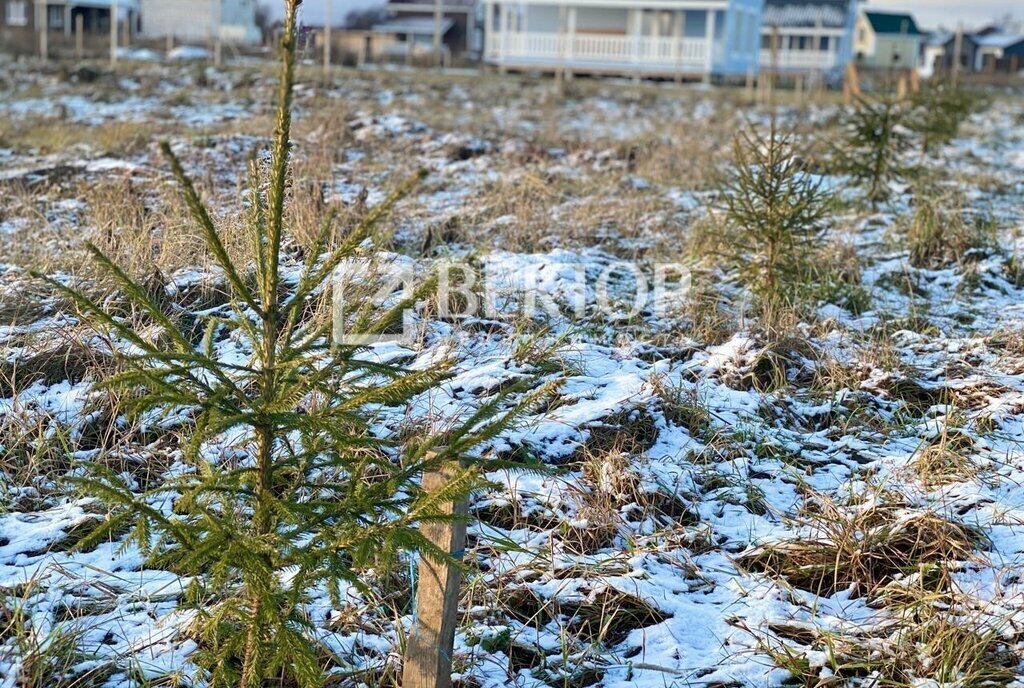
[888, 40]
[999, 52]
[810, 35]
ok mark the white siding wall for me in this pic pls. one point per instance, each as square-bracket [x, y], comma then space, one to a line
[602, 19]
[542, 18]
[197, 20]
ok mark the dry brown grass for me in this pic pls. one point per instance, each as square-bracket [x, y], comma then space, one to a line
[863, 547]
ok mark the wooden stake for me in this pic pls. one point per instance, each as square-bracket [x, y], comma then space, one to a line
[915, 81]
[958, 46]
[327, 38]
[851, 84]
[43, 26]
[901, 89]
[428, 651]
[79, 36]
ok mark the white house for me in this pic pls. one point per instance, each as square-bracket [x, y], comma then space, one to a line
[808, 35]
[696, 38]
[201, 20]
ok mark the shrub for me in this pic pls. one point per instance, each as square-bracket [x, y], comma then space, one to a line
[938, 111]
[285, 487]
[874, 141]
[776, 207]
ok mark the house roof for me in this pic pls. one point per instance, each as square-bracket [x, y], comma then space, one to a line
[830, 13]
[417, 26]
[893, 23]
[999, 40]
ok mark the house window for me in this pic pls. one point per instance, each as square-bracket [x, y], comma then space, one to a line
[55, 17]
[17, 13]
[825, 42]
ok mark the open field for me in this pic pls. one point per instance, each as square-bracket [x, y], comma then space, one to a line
[826, 492]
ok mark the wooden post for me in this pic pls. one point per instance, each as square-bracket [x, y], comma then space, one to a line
[217, 37]
[43, 26]
[79, 36]
[438, 20]
[748, 89]
[327, 37]
[709, 38]
[170, 42]
[851, 84]
[113, 32]
[488, 33]
[915, 81]
[678, 20]
[428, 651]
[901, 89]
[958, 45]
[774, 65]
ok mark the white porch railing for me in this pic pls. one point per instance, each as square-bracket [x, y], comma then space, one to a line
[642, 51]
[799, 59]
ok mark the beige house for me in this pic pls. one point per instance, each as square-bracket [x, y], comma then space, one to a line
[887, 40]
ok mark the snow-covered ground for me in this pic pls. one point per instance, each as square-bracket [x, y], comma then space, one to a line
[678, 470]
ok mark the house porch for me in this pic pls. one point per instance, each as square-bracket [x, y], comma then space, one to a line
[605, 36]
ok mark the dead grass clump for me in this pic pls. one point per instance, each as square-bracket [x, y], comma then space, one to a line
[601, 616]
[141, 231]
[915, 395]
[946, 458]
[783, 360]
[618, 493]
[525, 203]
[630, 431]
[594, 528]
[71, 360]
[939, 235]
[863, 547]
[706, 311]
[949, 646]
[682, 406]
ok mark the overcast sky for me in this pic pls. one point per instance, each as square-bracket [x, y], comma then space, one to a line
[929, 13]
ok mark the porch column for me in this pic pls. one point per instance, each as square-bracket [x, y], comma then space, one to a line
[488, 30]
[709, 37]
[503, 31]
[67, 20]
[677, 40]
[571, 19]
[562, 31]
[636, 34]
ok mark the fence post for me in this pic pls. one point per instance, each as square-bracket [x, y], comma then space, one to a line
[79, 38]
[428, 651]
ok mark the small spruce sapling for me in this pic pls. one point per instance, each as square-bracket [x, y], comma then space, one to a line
[939, 109]
[283, 487]
[876, 137]
[776, 207]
